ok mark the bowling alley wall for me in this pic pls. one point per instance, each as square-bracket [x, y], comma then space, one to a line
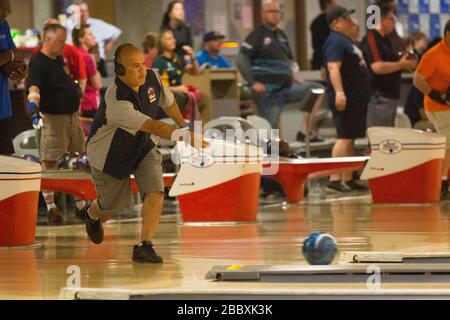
[427, 16]
[234, 18]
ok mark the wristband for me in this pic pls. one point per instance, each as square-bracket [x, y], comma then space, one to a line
[340, 93]
[34, 95]
[13, 57]
[184, 127]
[436, 96]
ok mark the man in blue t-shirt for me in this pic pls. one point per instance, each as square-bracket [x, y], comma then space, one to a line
[8, 54]
[348, 91]
[210, 54]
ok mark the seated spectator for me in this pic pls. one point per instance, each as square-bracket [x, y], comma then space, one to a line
[150, 49]
[84, 40]
[210, 54]
[267, 63]
[171, 69]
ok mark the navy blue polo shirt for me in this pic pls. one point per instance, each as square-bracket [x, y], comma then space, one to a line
[354, 71]
[6, 44]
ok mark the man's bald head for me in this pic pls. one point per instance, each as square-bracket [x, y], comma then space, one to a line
[271, 13]
[5, 10]
[133, 60]
[125, 52]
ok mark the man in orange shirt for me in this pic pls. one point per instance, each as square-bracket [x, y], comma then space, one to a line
[433, 79]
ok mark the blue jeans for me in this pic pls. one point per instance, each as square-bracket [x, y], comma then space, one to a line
[270, 105]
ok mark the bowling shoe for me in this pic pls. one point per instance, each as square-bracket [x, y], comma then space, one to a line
[144, 253]
[445, 194]
[338, 187]
[94, 228]
[313, 139]
[356, 185]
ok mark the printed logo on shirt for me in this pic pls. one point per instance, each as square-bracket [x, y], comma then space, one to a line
[2, 36]
[267, 41]
[151, 94]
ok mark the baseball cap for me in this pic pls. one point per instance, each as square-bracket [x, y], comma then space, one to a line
[212, 35]
[339, 12]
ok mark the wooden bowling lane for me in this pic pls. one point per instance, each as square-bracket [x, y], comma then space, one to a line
[191, 251]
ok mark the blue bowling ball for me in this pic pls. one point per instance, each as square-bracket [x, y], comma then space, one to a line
[31, 158]
[319, 248]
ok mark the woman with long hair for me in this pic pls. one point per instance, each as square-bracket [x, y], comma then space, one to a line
[171, 68]
[174, 20]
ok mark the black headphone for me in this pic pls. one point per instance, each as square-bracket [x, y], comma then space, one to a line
[119, 68]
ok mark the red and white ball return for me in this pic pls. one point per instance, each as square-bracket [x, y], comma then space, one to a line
[220, 189]
[20, 183]
[405, 165]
